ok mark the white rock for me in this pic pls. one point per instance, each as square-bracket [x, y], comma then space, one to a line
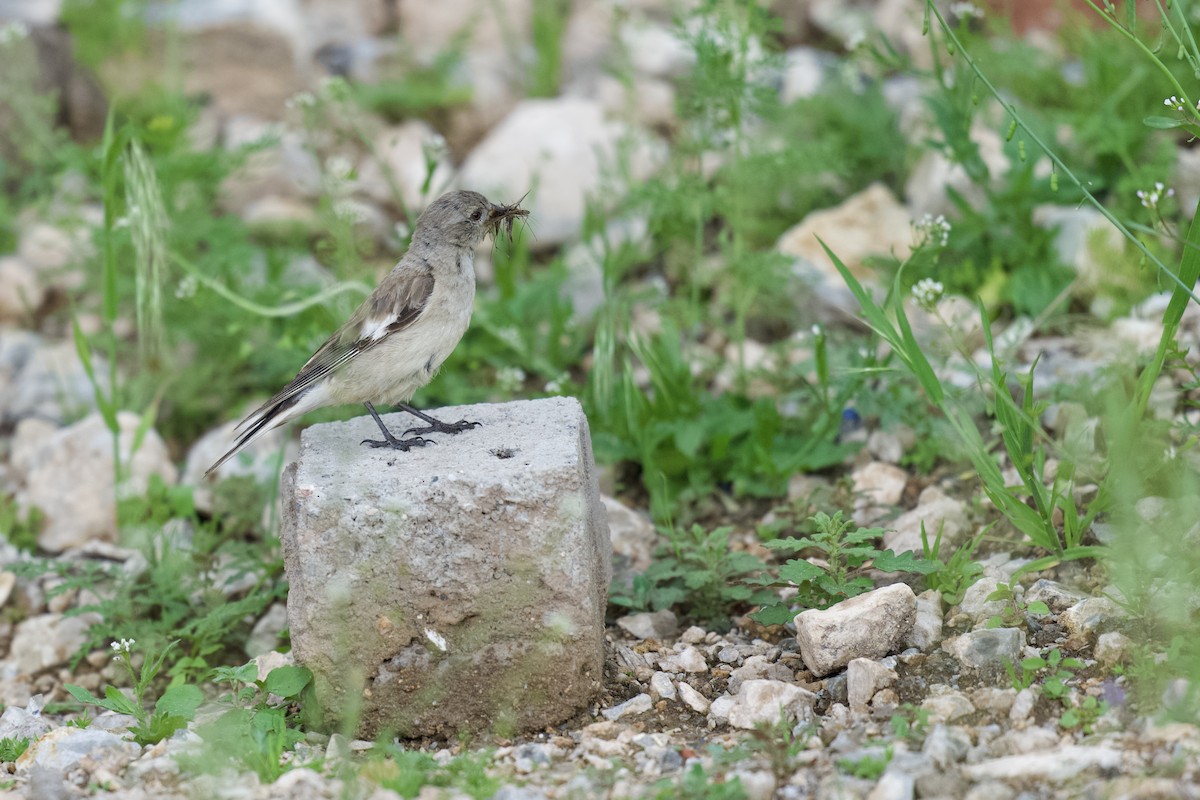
[1113, 648]
[401, 157]
[870, 625]
[635, 705]
[64, 749]
[764, 701]
[48, 640]
[39, 379]
[24, 723]
[893, 785]
[1022, 706]
[975, 603]
[758, 666]
[804, 71]
[935, 172]
[650, 624]
[559, 147]
[70, 479]
[1091, 616]
[988, 649]
[756, 784]
[1084, 238]
[260, 461]
[1055, 766]
[662, 685]
[633, 538]
[719, 709]
[20, 293]
[265, 636]
[948, 707]
[878, 484]
[872, 222]
[864, 677]
[693, 699]
[656, 50]
[927, 629]
[692, 660]
[283, 168]
[935, 510]
[53, 251]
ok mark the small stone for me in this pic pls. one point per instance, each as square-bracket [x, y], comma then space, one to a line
[758, 667]
[756, 784]
[726, 655]
[975, 603]
[1058, 765]
[1058, 597]
[990, 790]
[24, 723]
[694, 700]
[639, 704]
[989, 649]
[947, 707]
[650, 624]
[864, 677]
[20, 293]
[719, 709]
[877, 485]
[265, 636]
[935, 510]
[692, 660]
[1091, 617]
[870, 625]
[48, 640]
[693, 635]
[893, 785]
[763, 701]
[662, 685]
[63, 749]
[1022, 706]
[927, 628]
[1112, 648]
[633, 540]
[946, 745]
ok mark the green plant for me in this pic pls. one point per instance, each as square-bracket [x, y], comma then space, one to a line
[952, 577]
[780, 742]
[699, 574]
[175, 707]
[12, 748]
[695, 784]
[20, 529]
[406, 772]
[868, 767]
[255, 729]
[1016, 610]
[848, 553]
[910, 722]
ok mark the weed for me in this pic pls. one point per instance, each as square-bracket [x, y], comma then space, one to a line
[847, 553]
[910, 722]
[20, 529]
[173, 710]
[695, 783]
[951, 578]
[407, 772]
[698, 573]
[1016, 610]
[12, 748]
[868, 767]
[780, 742]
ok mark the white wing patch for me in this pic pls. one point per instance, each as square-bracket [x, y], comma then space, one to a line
[375, 329]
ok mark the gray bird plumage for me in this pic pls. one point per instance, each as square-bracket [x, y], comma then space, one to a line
[393, 344]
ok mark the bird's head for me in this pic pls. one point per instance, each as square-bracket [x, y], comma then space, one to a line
[463, 219]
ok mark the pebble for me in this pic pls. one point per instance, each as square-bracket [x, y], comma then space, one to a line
[658, 625]
[764, 701]
[870, 625]
[693, 699]
[634, 705]
[662, 685]
[1057, 765]
[989, 649]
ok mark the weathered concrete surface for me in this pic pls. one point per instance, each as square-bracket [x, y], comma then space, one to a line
[459, 586]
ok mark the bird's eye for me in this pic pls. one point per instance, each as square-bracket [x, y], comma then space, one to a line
[476, 215]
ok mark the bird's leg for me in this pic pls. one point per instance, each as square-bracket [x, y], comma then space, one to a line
[435, 425]
[388, 439]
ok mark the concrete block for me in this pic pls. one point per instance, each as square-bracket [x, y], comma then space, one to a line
[458, 586]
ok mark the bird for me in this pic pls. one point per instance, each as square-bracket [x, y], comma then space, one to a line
[394, 343]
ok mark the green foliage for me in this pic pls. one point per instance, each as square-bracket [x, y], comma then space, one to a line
[698, 574]
[848, 553]
[952, 577]
[910, 722]
[406, 772]
[260, 720]
[12, 748]
[695, 784]
[173, 710]
[1016, 610]
[868, 767]
[19, 529]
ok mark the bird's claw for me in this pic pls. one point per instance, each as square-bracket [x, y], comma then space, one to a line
[445, 427]
[398, 444]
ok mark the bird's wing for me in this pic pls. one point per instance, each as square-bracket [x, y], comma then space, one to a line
[395, 304]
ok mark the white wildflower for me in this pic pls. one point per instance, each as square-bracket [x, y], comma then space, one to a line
[926, 292]
[932, 230]
[1150, 198]
[1175, 103]
[966, 11]
[510, 379]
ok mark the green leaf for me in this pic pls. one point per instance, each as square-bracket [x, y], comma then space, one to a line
[115, 700]
[83, 695]
[887, 561]
[778, 614]
[288, 681]
[1162, 123]
[180, 701]
[1038, 607]
[797, 571]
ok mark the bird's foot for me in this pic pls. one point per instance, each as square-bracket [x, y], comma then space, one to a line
[398, 444]
[444, 427]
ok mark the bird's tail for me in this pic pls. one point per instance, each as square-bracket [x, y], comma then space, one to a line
[267, 417]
